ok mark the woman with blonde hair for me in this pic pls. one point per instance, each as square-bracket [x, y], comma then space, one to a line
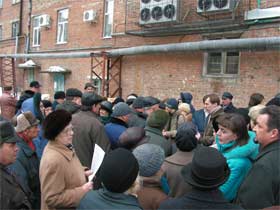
[254, 112]
[185, 113]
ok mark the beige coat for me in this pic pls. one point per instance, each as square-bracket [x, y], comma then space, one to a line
[62, 177]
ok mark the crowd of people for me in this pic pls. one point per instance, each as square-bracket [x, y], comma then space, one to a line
[159, 154]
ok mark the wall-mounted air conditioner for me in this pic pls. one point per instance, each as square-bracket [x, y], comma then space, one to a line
[204, 6]
[158, 11]
[90, 16]
[45, 21]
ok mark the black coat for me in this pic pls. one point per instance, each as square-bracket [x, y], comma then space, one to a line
[230, 108]
[12, 195]
[198, 199]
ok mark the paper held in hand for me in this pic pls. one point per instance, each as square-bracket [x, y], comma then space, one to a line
[97, 159]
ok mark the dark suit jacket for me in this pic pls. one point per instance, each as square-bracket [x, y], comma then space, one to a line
[198, 199]
[199, 120]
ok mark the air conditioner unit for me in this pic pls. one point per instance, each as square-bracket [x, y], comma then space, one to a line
[90, 16]
[204, 6]
[45, 21]
[158, 11]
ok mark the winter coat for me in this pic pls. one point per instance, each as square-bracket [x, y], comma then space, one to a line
[113, 130]
[151, 195]
[199, 119]
[88, 131]
[61, 176]
[172, 167]
[230, 108]
[40, 143]
[69, 106]
[26, 171]
[155, 137]
[136, 119]
[26, 94]
[239, 160]
[261, 187]
[7, 106]
[187, 98]
[28, 105]
[12, 195]
[104, 199]
[198, 199]
[172, 125]
[207, 139]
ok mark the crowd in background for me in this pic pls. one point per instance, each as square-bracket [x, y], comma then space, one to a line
[160, 154]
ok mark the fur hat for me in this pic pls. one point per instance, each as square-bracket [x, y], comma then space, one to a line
[73, 92]
[121, 109]
[59, 95]
[7, 133]
[25, 120]
[119, 170]
[55, 122]
[150, 158]
[185, 137]
[172, 103]
[208, 169]
[158, 119]
[89, 99]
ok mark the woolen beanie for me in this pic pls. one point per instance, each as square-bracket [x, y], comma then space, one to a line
[73, 92]
[119, 170]
[185, 137]
[150, 158]
[25, 120]
[158, 119]
[55, 122]
[89, 99]
[59, 95]
[121, 109]
[172, 103]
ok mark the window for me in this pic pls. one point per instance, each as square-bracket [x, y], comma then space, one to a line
[15, 1]
[108, 18]
[1, 3]
[62, 26]
[1, 32]
[58, 82]
[15, 28]
[221, 63]
[36, 31]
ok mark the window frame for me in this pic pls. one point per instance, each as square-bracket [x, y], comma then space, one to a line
[222, 73]
[30, 75]
[17, 29]
[1, 4]
[15, 1]
[64, 27]
[108, 18]
[59, 82]
[37, 30]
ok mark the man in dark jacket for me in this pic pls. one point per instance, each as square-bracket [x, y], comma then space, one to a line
[72, 103]
[207, 171]
[88, 130]
[227, 103]
[12, 195]
[26, 166]
[199, 118]
[260, 188]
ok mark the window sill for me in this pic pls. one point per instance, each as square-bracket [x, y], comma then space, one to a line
[230, 76]
[61, 43]
[107, 37]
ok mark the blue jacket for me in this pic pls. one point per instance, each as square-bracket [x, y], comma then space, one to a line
[113, 130]
[239, 160]
[199, 119]
[104, 199]
[40, 142]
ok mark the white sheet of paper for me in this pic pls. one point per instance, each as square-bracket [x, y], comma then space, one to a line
[97, 159]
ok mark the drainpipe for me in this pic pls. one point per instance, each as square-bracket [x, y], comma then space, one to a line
[248, 44]
[27, 41]
[20, 18]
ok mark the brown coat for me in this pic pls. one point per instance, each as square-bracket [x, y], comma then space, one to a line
[151, 195]
[7, 106]
[62, 177]
[172, 169]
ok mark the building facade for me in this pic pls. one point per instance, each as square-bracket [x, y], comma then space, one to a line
[103, 26]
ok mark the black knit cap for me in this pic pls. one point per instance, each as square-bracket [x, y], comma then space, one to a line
[119, 170]
[59, 95]
[74, 92]
[89, 99]
[55, 122]
[185, 137]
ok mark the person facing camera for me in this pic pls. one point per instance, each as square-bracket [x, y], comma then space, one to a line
[118, 172]
[63, 178]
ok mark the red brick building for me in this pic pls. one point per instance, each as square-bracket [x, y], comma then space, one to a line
[77, 27]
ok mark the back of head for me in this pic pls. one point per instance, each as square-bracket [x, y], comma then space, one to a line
[89, 99]
[132, 137]
[255, 99]
[185, 137]
[121, 109]
[119, 170]
[172, 103]
[59, 95]
[150, 158]
[73, 92]
[185, 108]
[208, 169]
[158, 119]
